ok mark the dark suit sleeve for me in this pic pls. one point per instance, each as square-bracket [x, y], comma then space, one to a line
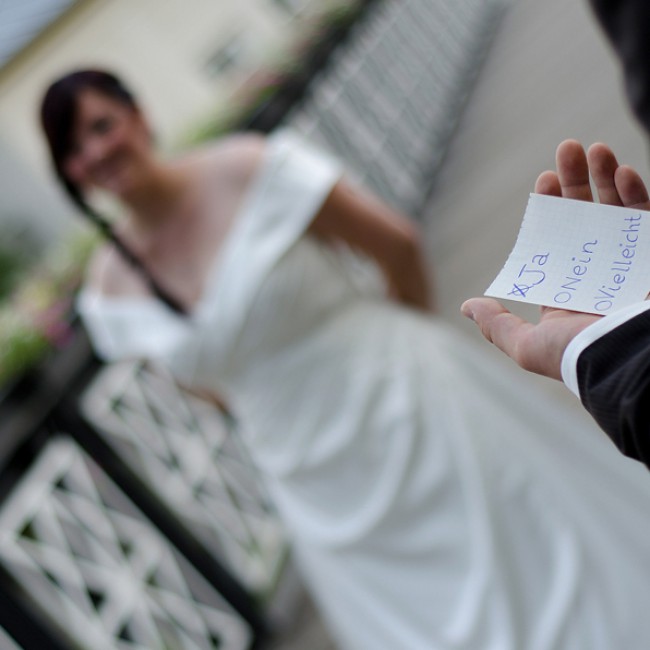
[614, 382]
[614, 372]
[627, 25]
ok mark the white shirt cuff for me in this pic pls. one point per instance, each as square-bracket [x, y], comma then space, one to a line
[591, 334]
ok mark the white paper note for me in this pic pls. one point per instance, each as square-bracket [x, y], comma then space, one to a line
[577, 255]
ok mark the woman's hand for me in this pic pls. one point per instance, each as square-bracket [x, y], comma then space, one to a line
[539, 347]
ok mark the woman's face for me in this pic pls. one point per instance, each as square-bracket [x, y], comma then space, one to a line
[111, 145]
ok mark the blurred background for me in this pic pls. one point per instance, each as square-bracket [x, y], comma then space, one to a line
[186, 60]
[449, 110]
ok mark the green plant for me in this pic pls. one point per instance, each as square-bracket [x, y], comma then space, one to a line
[18, 245]
[35, 316]
[22, 345]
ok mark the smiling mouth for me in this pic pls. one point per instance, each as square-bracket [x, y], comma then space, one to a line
[108, 170]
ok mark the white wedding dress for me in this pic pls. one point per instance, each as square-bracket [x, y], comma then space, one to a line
[434, 501]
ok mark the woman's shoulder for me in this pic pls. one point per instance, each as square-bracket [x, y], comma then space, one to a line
[231, 157]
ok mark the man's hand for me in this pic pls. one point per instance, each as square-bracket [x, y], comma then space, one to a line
[539, 347]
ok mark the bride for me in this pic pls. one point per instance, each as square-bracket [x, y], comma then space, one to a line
[431, 502]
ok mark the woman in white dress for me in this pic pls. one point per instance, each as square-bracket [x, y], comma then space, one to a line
[432, 504]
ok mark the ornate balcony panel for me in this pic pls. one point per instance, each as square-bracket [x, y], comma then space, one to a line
[192, 457]
[6, 642]
[89, 558]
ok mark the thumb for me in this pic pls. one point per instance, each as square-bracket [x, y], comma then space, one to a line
[498, 325]
[483, 311]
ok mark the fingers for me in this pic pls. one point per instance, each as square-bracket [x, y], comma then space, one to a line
[573, 171]
[616, 184]
[602, 166]
[548, 183]
[631, 188]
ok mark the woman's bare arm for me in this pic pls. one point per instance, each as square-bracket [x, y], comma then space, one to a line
[390, 239]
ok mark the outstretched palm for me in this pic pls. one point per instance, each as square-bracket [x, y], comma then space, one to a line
[539, 347]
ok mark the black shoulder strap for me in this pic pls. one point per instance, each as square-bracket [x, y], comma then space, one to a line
[134, 261]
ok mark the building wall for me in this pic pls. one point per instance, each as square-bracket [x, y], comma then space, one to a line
[28, 201]
[170, 51]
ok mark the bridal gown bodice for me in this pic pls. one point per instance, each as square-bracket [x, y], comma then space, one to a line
[434, 500]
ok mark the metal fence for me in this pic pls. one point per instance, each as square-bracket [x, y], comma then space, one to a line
[392, 94]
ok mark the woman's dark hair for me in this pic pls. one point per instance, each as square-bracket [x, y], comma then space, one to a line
[59, 110]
